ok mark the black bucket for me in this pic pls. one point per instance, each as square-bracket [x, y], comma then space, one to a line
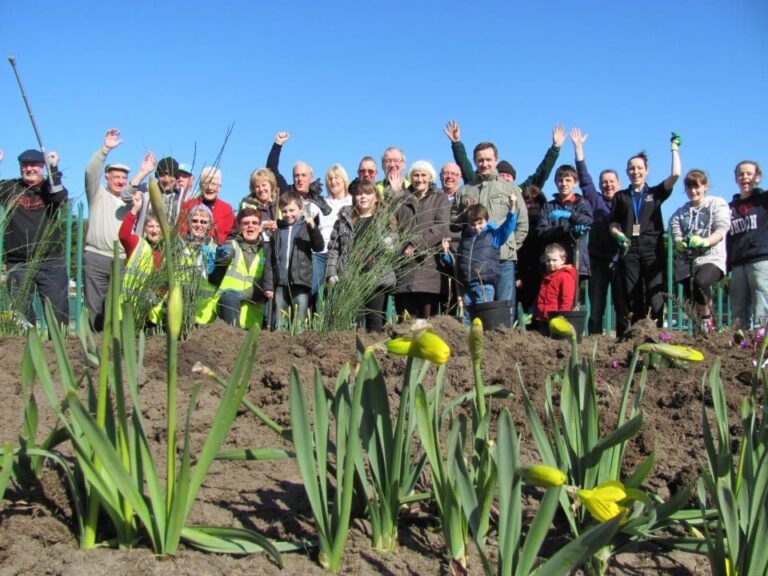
[493, 314]
[577, 318]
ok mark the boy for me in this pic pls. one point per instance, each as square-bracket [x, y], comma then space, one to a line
[295, 240]
[558, 286]
[566, 218]
[479, 254]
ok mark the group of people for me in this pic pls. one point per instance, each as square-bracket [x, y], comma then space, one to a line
[434, 246]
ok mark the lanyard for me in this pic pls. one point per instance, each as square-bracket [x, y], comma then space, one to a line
[637, 203]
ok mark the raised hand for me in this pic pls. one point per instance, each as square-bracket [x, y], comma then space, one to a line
[281, 138]
[558, 136]
[112, 139]
[452, 131]
[577, 137]
[149, 163]
[138, 199]
[395, 180]
[53, 158]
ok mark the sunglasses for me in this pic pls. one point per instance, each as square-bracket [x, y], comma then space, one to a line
[199, 221]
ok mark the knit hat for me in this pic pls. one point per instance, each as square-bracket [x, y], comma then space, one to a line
[504, 167]
[167, 166]
[32, 156]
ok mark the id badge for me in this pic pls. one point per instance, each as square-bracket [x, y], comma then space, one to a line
[635, 230]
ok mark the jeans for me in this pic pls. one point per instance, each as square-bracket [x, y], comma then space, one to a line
[476, 294]
[229, 307]
[505, 285]
[319, 260]
[290, 299]
[749, 294]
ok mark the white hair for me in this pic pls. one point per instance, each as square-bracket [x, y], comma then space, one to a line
[422, 166]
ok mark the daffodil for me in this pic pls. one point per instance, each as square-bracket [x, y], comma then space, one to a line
[542, 475]
[559, 326]
[476, 340]
[673, 351]
[605, 500]
[427, 345]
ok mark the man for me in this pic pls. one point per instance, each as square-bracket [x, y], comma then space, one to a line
[34, 240]
[167, 174]
[367, 171]
[493, 193]
[185, 181]
[106, 210]
[449, 178]
[505, 169]
[302, 178]
[393, 164]
[603, 251]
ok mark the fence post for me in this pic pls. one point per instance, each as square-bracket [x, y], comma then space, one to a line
[670, 280]
[79, 267]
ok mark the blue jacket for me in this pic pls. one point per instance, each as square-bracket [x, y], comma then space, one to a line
[602, 245]
[479, 253]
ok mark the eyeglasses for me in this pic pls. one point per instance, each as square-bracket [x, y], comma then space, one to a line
[199, 221]
[362, 171]
[445, 173]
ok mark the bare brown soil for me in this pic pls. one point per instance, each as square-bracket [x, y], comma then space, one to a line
[36, 531]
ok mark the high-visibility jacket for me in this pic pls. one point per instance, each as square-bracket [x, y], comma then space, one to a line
[240, 277]
[196, 276]
[137, 269]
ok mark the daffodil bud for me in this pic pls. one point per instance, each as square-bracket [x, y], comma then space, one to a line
[158, 208]
[559, 326]
[542, 475]
[175, 311]
[672, 351]
[476, 340]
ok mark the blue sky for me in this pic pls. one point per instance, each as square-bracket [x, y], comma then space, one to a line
[348, 79]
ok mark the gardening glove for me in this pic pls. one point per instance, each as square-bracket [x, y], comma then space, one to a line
[623, 243]
[676, 140]
[332, 280]
[698, 242]
[581, 228]
[681, 245]
[314, 196]
[224, 253]
[556, 215]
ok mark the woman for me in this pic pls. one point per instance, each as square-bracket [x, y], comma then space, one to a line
[143, 256]
[637, 226]
[223, 216]
[529, 266]
[423, 218]
[748, 248]
[337, 184]
[361, 234]
[199, 258]
[698, 232]
[263, 197]
[243, 266]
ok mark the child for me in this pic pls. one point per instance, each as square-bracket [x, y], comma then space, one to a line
[479, 254]
[558, 286]
[295, 240]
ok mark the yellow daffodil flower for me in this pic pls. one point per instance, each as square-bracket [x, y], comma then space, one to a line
[427, 345]
[603, 501]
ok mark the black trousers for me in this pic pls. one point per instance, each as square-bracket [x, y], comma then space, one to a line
[642, 280]
[603, 277]
[704, 277]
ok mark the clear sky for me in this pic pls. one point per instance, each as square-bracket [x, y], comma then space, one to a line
[348, 79]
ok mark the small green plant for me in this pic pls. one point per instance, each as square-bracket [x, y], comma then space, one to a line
[314, 448]
[735, 539]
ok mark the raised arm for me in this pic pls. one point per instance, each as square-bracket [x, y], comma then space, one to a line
[96, 164]
[273, 159]
[676, 170]
[453, 132]
[544, 169]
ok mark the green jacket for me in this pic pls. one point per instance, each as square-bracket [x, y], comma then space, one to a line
[538, 178]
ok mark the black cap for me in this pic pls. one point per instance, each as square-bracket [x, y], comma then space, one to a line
[167, 166]
[32, 156]
[504, 167]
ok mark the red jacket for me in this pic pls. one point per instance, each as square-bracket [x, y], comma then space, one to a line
[130, 241]
[557, 292]
[223, 218]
